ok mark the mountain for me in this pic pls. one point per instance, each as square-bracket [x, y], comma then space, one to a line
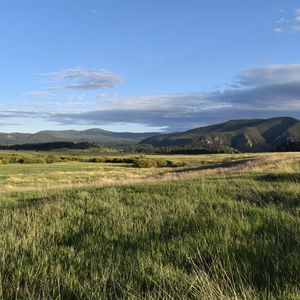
[95, 135]
[247, 135]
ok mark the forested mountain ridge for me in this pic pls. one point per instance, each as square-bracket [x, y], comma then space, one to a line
[94, 135]
[248, 135]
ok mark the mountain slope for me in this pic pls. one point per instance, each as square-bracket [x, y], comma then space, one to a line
[95, 135]
[244, 135]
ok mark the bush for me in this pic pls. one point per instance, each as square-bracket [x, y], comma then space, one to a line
[31, 160]
[128, 160]
[114, 160]
[4, 161]
[150, 163]
[142, 162]
[176, 164]
[97, 159]
[52, 159]
[161, 163]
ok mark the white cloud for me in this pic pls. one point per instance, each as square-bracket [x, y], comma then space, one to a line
[41, 95]
[79, 78]
[268, 91]
[273, 74]
[280, 21]
[188, 101]
[262, 92]
[288, 23]
[296, 28]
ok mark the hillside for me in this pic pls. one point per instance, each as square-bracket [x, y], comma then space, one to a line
[94, 135]
[249, 135]
[245, 135]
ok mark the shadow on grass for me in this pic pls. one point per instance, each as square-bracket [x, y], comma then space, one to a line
[286, 200]
[223, 164]
[280, 177]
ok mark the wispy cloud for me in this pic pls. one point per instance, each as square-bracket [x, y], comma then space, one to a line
[278, 29]
[261, 92]
[268, 91]
[187, 101]
[272, 74]
[79, 78]
[296, 28]
[41, 95]
[290, 23]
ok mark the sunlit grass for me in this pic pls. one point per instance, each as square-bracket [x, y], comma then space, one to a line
[225, 227]
[18, 177]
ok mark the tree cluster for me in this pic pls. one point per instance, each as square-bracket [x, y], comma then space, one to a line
[49, 146]
[289, 146]
[180, 149]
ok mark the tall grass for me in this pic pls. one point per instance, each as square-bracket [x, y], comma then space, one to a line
[209, 238]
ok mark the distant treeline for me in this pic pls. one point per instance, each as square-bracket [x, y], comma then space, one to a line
[37, 158]
[49, 146]
[291, 146]
[181, 149]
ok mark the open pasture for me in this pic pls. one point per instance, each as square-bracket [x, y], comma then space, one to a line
[219, 227]
[80, 173]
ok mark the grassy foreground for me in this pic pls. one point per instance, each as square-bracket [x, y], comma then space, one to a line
[233, 234]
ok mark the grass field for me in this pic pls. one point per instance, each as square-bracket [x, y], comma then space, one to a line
[219, 227]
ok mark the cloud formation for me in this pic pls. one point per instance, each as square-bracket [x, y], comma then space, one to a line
[257, 93]
[261, 92]
[273, 74]
[41, 95]
[168, 121]
[83, 79]
[289, 23]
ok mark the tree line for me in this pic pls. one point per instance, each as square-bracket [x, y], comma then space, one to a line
[49, 146]
[179, 149]
[289, 146]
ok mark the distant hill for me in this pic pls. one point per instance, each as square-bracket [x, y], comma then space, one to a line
[99, 136]
[247, 135]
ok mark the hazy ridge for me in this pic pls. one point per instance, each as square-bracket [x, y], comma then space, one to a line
[247, 135]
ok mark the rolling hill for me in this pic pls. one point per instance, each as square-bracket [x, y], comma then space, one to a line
[248, 135]
[95, 135]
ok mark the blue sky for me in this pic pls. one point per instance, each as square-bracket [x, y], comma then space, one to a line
[140, 65]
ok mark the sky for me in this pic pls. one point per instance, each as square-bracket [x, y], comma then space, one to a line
[155, 65]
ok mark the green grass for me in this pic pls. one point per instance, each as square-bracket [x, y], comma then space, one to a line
[217, 236]
[19, 177]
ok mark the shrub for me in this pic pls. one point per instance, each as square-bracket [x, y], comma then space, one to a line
[114, 160]
[144, 163]
[176, 164]
[31, 160]
[97, 159]
[150, 163]
[128, 160]
[4, 161]
[52, 159]
[161, 163]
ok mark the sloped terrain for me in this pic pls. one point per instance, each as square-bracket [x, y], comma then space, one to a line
[94, 135]
[244, 135]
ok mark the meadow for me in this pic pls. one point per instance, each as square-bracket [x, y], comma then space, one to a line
[224, 226]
